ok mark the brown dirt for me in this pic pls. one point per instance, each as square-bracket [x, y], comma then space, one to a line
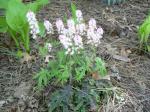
[120, 23]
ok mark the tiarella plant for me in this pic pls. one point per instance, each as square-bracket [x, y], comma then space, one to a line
[76, 58]
[18, 18]
[73, 60]
[144, 34]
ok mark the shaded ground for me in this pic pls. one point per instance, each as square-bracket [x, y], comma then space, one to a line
[120, 23]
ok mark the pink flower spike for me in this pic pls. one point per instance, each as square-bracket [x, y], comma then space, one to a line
[33, 24]
[59, 25]
[100, 31]
[71, 26]
[78, 13]
[92, 23]
[48, 27]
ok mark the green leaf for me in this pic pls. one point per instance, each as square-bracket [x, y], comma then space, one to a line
[80, 73]
[42, 30]
[100, 66]
[144, 33]
[16, 15]
[43, 51]
[19, 54]
[43, 2]
[61, 99]
[42, 78]
[3, 25]
[33, 6]
[73, 11]
[4, 4]
[61, 57]
[64, 73]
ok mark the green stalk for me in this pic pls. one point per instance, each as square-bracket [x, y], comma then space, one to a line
[27, 40]
[13, 35]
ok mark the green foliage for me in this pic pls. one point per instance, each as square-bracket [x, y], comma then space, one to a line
[15, 23]
[3, 25]
[73, 12]
[43, 51]
[4, 4]
[81, 97]
[35, 6]
[83, 66]
[100, 66]
[112, 2]
[61, 99]
[15, 17]
[144, 33]
[42, 29]
[43, 78]
[60, 67]
[64, 68]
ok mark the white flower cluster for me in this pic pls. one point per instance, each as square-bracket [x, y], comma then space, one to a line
[94, 34]
[33, 24]
[60, 26]
[48, 27]
[69, 38]
[80, 26]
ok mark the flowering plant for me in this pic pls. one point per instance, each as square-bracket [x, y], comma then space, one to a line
[71, 60]
[77, 57]
[15, 21]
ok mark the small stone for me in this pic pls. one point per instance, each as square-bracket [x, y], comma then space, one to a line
[10, 99]
[2, 103]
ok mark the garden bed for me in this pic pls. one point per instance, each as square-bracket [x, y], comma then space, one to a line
[120, 23]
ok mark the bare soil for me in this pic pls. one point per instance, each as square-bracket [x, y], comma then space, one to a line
[120, 23]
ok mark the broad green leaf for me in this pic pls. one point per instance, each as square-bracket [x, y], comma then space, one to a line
[4, 4]
[3, 25]
[16, 15]
[42, 2]
[33, 6]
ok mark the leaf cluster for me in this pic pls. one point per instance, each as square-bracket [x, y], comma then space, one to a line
[65, 68]
[144, 33]
[79, 98]
[43, 78]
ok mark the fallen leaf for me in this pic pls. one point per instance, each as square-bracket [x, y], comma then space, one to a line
[125, 52]
[27, 58]
[96, 76]
[107, 77]
[121, 58]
